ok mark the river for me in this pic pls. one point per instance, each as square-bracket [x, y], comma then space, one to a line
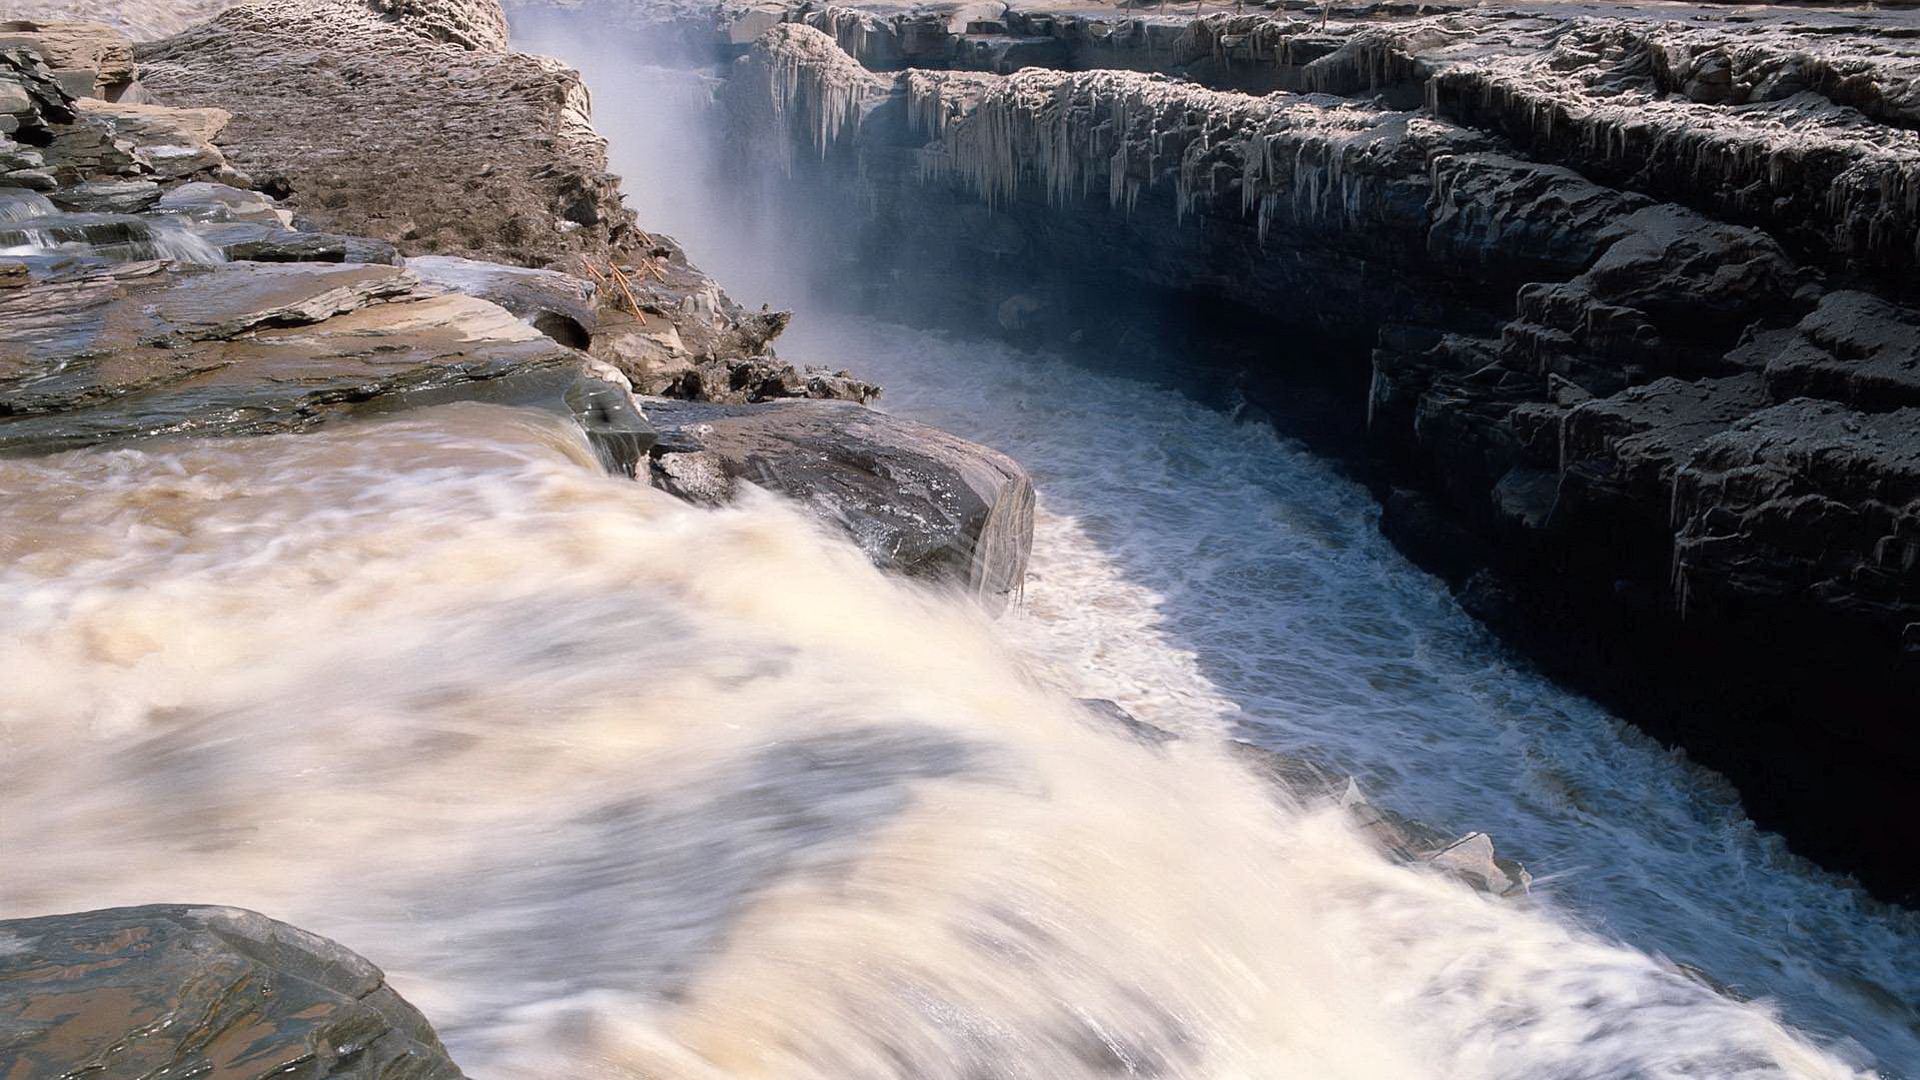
[615, 786]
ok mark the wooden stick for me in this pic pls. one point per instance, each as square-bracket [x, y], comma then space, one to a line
[632, 304]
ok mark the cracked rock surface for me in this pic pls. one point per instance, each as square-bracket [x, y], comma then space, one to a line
[200, 991]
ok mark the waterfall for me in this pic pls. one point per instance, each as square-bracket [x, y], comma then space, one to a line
[178, 241]
[17, 205]
[615, 785]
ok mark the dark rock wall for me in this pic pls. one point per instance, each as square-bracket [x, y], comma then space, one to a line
[1667, 431]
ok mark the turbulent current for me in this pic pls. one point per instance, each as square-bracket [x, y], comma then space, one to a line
[613, 786]
[616, 786]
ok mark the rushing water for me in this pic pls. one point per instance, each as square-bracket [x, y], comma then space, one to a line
[614, 786]
[1211, 576]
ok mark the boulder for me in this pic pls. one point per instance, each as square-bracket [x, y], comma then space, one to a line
[916, 499]
[139, 992]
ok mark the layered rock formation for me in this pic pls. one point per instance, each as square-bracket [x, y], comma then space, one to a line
[396, 124]
[1630, 292]
[123, 316]
[474, 24]
[148, 290]
[199, 991]
[148, 349]
[144, 21]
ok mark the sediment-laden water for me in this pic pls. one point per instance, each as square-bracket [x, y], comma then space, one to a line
[1211, 576]
[614, 786]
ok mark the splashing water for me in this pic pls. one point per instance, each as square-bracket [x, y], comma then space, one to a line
[107, 236]
[179, 242]
[1215, 579]
[614, 785]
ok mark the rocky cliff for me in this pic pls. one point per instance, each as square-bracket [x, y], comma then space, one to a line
[1624, 298]
[156, 288]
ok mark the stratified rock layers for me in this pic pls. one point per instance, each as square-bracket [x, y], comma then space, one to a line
[1666, 397]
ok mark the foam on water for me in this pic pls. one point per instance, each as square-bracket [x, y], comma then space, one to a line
[1208, 575]
[615, 786]
[1214, 578]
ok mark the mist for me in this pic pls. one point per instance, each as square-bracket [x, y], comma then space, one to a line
[1172, 537]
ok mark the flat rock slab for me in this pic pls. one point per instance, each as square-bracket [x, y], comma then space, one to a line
[918, 500]
[213, 992]
[140, 350]
[109, 196]
[204, 200]
[252, 241]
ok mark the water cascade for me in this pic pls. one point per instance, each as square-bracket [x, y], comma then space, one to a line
[741, 806]
[612, 785]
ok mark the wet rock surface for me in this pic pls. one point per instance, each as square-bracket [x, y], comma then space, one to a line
[152, 291]
[1584, 253]
[138, 350]
[916, 499]
[199, 991]
[406, 127]
[559, 305]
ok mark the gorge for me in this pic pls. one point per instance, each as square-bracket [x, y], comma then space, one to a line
[614, 782]
[1624, 336]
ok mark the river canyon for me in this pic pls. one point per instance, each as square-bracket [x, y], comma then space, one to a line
[796, 762]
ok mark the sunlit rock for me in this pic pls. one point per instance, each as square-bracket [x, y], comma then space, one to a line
[143, 991]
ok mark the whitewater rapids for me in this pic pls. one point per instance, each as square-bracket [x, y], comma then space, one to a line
[613, 786]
